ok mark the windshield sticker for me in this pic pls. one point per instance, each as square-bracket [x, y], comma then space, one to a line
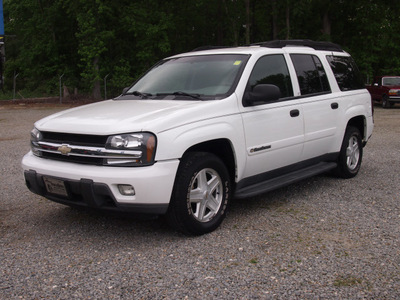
[238, 62]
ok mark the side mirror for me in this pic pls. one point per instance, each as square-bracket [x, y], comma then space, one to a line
[375, 84]
[261, 94]
[125, 90]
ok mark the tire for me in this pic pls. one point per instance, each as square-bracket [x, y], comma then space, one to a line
[351, 152]
[201, 194]
[385, 102]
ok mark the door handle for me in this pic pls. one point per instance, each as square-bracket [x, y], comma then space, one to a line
[294, 113]
[334, 105]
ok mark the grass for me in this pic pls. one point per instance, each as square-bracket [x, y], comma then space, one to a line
[24, 94]
[343, 281]
[254, 260]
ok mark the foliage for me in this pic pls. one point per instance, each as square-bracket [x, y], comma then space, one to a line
[87, 39]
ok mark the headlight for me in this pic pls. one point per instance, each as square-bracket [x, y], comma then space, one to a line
[36, 136]
[393, 92]
[144, 143]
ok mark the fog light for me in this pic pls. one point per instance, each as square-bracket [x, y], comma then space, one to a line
[126, 189]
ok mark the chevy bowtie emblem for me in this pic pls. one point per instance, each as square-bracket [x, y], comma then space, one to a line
[64, 149]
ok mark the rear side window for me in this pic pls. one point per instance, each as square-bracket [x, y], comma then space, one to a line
[310, 74]
[272, 69]
[346, 73]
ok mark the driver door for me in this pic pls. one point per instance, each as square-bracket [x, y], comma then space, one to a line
[274, 130]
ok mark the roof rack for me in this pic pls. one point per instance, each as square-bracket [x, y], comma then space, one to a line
[202, 48]
[327, 46]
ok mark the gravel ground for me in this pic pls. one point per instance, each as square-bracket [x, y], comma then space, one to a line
[323, 238]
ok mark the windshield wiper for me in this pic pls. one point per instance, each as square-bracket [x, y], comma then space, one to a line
[180, 93]
[140, 94]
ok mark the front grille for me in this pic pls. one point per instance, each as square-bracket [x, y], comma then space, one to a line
[83, 149]
[77, 140]
[75, 159]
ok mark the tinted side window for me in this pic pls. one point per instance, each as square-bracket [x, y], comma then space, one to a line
[310, 74]
[272, 69]
[346, 73]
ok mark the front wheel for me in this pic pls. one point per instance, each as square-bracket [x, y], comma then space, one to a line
[351, 152]
[201, 194]
[385, 102]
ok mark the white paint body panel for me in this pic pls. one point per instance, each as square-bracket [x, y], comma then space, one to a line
[279, 139]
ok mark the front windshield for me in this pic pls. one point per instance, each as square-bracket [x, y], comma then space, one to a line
[391, 81]
[200, 76]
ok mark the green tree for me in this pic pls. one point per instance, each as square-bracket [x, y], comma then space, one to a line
[35, 42]
[93, 35]
[89, 39]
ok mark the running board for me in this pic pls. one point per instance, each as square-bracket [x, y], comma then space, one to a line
[280, 181]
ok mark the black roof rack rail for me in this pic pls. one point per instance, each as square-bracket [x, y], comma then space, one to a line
[327, 46]
[202, 48]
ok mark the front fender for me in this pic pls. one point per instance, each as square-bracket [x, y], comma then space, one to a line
[172, 144]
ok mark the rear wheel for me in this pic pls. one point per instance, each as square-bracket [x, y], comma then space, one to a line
[350, 156]
[201, 194]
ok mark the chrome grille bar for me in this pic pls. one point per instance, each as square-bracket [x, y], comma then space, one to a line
[85, 151]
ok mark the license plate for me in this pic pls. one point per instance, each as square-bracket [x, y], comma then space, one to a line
[55, 186]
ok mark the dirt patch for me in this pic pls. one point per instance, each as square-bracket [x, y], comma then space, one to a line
[43, 102]
[8, 139]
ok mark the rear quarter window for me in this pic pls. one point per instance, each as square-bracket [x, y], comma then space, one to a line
[346, 73]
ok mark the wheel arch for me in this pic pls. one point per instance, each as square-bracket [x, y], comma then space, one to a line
[223, 149]
[360, 123]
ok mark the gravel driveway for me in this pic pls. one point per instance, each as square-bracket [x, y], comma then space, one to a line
[321, 238]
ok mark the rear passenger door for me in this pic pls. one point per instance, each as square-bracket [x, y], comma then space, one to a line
[321, 109]
[273, 130]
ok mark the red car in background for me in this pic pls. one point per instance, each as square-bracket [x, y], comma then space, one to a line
[386, 90]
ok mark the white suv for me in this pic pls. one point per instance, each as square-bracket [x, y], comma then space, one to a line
[203, 127]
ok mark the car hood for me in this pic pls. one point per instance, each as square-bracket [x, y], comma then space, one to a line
[123, 116]
[394, 87]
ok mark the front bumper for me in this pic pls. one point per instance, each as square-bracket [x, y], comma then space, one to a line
[97, 186]
[394, 99]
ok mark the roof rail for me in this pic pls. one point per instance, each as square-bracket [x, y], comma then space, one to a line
[202, 48]
[327, 46]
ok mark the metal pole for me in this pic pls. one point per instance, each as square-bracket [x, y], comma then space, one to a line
[61, 88]
[105, 86]
[15, 84]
